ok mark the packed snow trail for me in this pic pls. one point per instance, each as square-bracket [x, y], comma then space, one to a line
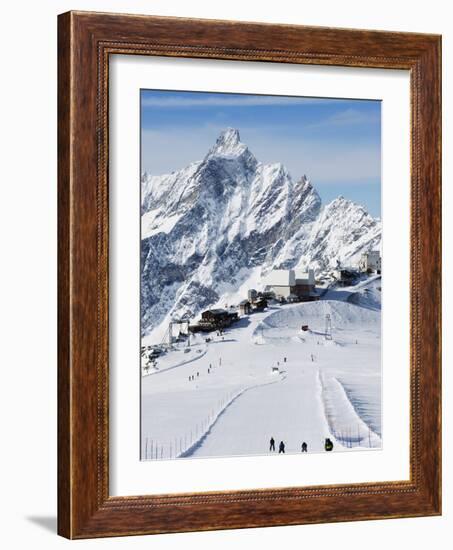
[261, 413]
[338, 404]
[190, 449]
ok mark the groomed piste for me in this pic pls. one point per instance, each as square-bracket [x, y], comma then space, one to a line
[266, 378]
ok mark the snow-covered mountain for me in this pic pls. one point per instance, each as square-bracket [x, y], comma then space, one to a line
[213, 227]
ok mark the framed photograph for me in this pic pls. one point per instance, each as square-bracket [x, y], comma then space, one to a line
[249, 275]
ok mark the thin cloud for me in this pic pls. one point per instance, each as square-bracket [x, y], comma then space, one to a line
[348, 117]
[230, 101]
[323, 161]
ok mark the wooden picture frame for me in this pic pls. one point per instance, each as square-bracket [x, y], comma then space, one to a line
[85, 42]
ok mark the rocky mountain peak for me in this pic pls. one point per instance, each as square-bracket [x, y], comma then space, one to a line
[228, 144]
[209, 227]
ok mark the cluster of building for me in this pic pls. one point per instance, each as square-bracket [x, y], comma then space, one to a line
[215, 319]
[256, 301]
[370, 263]
[291, 285]
[283, 285]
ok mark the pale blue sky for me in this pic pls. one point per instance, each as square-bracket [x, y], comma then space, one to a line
[335, 142]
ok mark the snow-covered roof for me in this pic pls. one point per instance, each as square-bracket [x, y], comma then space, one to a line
[216, 311]
[280, 277]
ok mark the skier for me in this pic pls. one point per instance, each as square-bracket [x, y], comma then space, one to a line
[281, 448]
[304, 447]
[272, 444]
[328, 445]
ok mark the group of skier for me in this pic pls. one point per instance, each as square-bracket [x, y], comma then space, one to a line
[192, 377]
[328, 446]
[281, 447]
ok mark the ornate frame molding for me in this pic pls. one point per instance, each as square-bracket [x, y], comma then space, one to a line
[86, 40]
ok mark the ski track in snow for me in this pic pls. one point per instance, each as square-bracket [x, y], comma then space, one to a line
[297, 418]
[175, 366]
[344, 421]
[191, 450]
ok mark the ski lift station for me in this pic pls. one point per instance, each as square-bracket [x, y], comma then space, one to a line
[293, 284]
[214, 319]
[371, 262]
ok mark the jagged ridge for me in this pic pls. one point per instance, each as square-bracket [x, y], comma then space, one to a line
[207, 227]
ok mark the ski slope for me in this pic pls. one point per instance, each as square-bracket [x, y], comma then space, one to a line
[262, 413]
[237, 402]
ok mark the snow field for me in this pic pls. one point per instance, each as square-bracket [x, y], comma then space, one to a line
[169, 361]
[349, 365]
[190, 426]
[235, 404]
